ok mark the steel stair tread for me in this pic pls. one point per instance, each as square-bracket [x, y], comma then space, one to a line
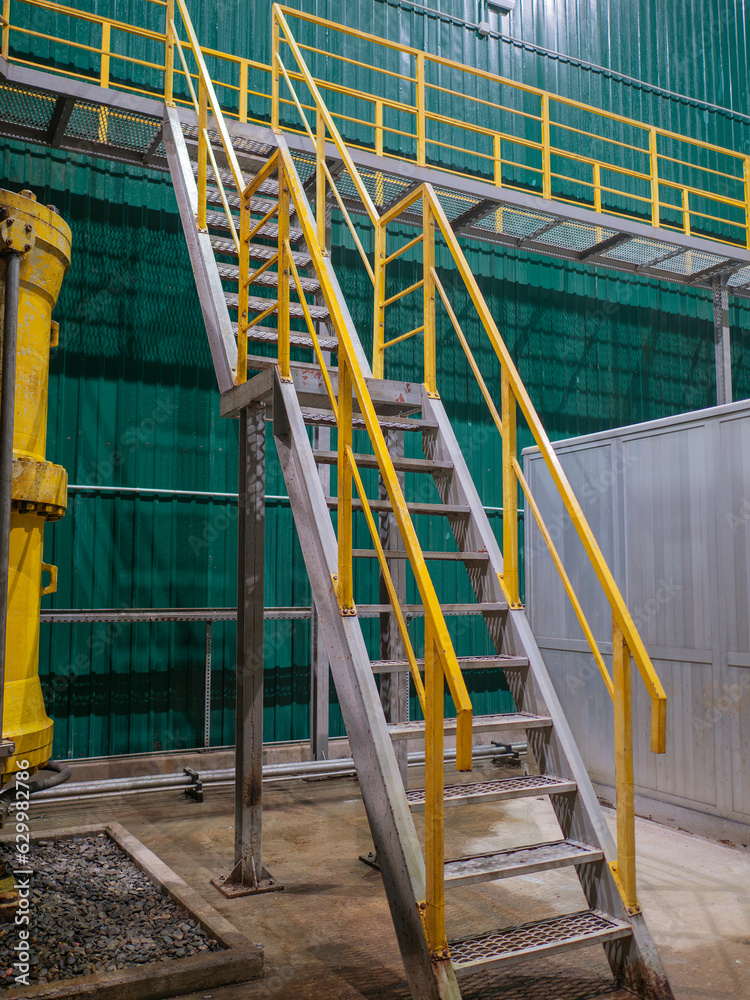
[518, 861]
[449, 610]
[226, 247]
[400, 464]
[259, 205]
[496, 790]
[385, 507]
[325, 418]
[270, 230]
[244, 145]
[494, 662]
[270, 279]
[266, 335]
[259, 305]
[267, 187]
[479, 724]
[541, 937]
[469, 557]
[231, 272]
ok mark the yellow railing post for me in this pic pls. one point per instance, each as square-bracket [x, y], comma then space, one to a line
[428, 264]
[275, 56]
[320, 179]
[378, 326]
[283, 312]
[686, 211]
[654, 163]
[242, 306]
[510, 491]
[497, 154]
[6, 29]
[625, 868]
[244, 70]
[746, 172]
[597, 187]
[202, 153]
[106, 41]
[421, 118]
[344, 491]
[434, 685]
[546, 154]
[169, 56]
[379, 152]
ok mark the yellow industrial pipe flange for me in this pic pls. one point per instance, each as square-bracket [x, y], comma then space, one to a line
[39, 488]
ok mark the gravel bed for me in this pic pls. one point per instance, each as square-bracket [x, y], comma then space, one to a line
[91, 910]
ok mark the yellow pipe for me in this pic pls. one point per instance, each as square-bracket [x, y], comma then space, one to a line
[39, 491]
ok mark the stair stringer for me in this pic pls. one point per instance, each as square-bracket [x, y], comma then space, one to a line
[218, 324]
[634, 961]
[391, 824]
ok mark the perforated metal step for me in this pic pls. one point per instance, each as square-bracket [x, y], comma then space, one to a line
[480, 724]
[265, 335]
[258, 305]
[544, 937]
[465, 557]
[433, 509]
[270, 279]
[270, 231]
[400, 464]
[518, 861]
[324, 418]
[231, 272]
[449, 610]
[465, 662]
[494, 791]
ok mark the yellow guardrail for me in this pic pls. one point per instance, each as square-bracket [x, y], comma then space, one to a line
[513, 397]
[534, 141]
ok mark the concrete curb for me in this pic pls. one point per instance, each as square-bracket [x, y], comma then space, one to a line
[240, 962]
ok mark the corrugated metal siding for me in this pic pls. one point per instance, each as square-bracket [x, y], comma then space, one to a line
[132, 397]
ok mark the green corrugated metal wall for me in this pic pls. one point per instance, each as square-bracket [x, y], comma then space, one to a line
[132, 398]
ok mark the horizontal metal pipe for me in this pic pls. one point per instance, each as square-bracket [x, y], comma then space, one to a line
[85, 790]
[150, 491]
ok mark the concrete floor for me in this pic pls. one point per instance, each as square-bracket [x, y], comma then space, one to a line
[328, 935]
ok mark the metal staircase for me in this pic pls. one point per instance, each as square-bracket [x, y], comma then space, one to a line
[268, 291]
[265, 278]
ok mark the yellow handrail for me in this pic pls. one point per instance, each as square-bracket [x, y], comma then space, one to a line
[626, 640]
[540, 135]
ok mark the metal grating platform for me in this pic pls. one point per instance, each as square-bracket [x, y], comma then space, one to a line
[575, 930]
[56, 111]
[518, 861]
[493, 791]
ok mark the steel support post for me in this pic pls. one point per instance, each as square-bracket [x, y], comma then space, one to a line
[722, 345]
[248, 875]
[319, 670]
[207, 690]
[394, 688]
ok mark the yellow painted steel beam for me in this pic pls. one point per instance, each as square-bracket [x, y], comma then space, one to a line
[624, 870]
[603, 573]
[347, 356]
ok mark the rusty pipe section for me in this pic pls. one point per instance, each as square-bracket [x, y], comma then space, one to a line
[36, 241]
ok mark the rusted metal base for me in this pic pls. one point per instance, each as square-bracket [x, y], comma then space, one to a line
[371, 859]
[233, 886]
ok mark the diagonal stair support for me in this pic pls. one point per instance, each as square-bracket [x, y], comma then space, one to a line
[208, 283]
[634, 960]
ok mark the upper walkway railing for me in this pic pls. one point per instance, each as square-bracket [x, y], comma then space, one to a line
[516, 136]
